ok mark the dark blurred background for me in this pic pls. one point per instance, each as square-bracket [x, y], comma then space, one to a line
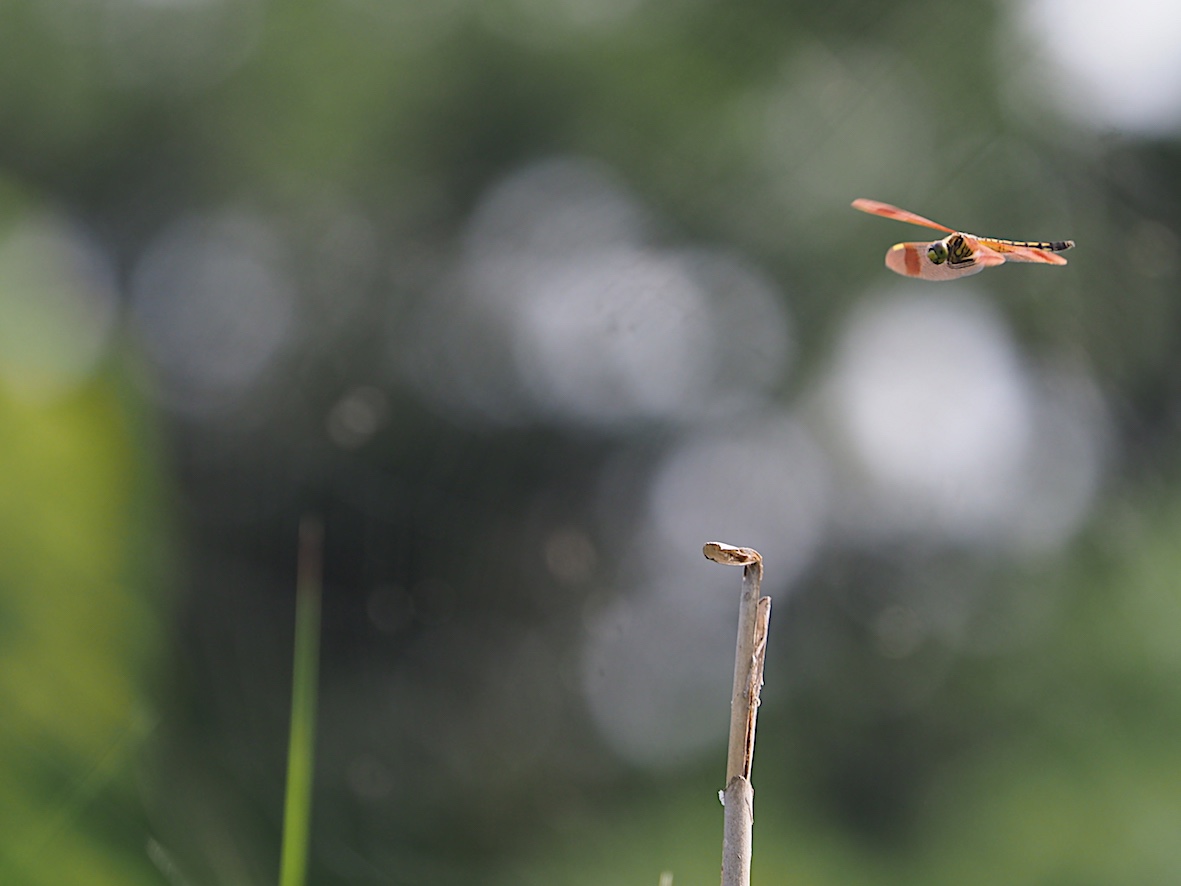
[529, 300]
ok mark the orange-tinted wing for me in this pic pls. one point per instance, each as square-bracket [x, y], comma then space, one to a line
[1029, 253]
[874, 207]
[911, 260]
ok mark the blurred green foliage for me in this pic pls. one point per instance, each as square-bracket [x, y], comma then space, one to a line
[936, 711]
[79, 632]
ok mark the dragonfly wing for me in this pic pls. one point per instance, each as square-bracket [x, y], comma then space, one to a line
[875, 207]
[1013, 252]
[912, 260]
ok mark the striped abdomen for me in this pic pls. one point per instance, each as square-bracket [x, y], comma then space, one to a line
[1047, 245]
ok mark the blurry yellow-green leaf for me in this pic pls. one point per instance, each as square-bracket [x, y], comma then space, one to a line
[77, 623]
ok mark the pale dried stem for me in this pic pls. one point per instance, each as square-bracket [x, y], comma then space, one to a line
[754, 613]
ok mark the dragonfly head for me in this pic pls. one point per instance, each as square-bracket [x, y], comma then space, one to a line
[937, 252]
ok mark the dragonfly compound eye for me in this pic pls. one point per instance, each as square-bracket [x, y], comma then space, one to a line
[937, 252]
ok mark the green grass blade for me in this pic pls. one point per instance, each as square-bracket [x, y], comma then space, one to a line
[297, 809]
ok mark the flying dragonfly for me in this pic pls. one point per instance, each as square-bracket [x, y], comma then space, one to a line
[958, 254]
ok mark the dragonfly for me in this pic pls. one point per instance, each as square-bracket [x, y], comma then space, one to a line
[958, 254]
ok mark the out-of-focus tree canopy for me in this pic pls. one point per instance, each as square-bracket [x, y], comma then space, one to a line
[529, 300]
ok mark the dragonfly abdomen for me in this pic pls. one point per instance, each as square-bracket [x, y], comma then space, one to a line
[1047, 245]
